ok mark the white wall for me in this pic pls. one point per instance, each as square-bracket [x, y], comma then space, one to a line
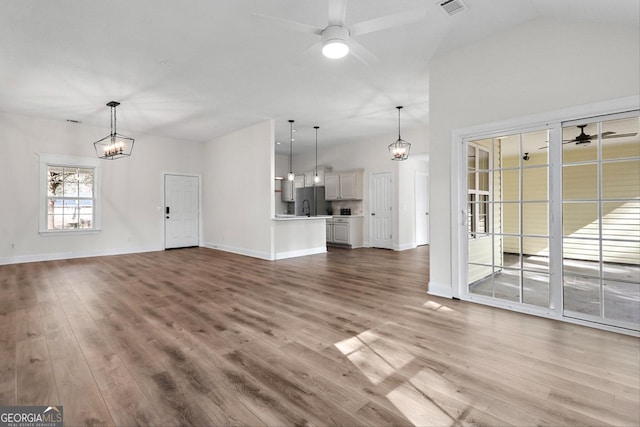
[372, 155]
[539, 67]
[131, 192]
[238, 191]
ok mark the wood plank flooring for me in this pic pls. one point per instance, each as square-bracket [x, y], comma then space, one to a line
[202, 337]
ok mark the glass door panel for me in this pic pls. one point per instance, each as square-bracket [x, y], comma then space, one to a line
[537, 253]
[580, 182]
[508, 214]
[535, 219]
[535, 288]
[601, 221]
[621, 301]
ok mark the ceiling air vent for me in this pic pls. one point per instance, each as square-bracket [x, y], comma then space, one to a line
[452, 6]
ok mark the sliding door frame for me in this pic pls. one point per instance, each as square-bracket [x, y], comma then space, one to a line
[551, 120]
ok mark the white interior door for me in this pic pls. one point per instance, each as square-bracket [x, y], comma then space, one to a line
[422, 208]
[380, 220]
[182, 211]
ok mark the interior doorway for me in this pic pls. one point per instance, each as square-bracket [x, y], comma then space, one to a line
[380, 216]
[181, 211]
[422, 208]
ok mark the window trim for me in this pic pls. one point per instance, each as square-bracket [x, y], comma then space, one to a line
[47, 160]
[476, 193]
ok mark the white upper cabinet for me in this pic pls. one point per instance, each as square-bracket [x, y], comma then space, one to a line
[287, 190]
[332, 186]
[343, 185]
[308, 177]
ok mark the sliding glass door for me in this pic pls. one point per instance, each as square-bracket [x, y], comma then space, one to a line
[551, 220]
[601, 220]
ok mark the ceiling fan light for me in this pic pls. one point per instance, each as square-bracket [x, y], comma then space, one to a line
[335, 41]
[335, 49]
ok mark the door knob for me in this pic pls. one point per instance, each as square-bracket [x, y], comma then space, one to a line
[373, 214]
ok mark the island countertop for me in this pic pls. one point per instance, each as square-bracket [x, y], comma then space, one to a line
[282, 217]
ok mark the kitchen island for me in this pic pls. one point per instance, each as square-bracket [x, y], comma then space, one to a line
[299, 235]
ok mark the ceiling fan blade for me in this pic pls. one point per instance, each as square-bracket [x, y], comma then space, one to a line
[312, 47]
[619, 135]
[569, 141]
[386, 22]
[361, 53]
[337, 12]
[292, 25]
[308, 53]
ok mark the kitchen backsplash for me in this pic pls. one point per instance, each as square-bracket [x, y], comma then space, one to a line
[354, 205]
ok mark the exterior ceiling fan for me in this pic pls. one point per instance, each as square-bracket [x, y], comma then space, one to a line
[337, 39]
[584, 138]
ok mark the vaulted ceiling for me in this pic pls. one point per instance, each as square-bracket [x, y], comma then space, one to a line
[197, 69]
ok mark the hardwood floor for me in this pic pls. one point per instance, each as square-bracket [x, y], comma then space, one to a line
[202, 337]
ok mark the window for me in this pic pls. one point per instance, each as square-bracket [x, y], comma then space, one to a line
[69, 189]
[478, 190]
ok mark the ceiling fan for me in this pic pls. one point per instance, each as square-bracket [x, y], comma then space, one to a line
[584, 138]
[337, 39]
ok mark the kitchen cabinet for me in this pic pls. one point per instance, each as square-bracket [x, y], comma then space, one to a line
[344, 185]
[289, 188]
[341, 233]
[345, 231]
[308, 177]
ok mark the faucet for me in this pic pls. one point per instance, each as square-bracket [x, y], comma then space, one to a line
[307, 209]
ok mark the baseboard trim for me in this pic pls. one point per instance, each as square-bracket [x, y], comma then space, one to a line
[239, 251]
[440, 290]
[305, 252]
[21, 259]
[405, 246]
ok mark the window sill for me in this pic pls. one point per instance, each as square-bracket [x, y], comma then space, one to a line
[49, 233]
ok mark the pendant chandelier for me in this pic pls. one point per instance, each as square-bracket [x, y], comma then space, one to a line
[316, 178]
[291, 176]
[399, 150]
[114, 146]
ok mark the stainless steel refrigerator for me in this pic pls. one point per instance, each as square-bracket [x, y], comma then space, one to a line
[310, 201]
